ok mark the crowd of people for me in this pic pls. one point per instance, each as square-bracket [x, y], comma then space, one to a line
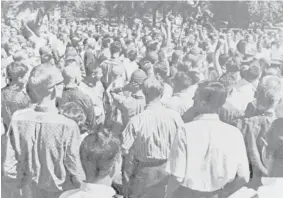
[95, 111]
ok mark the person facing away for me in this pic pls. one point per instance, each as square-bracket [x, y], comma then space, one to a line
[99, 153]
[134, 103]
[14, 96]
[209, 158]
[114, 61]
[75, 112]
[147, 141]
[255, 127]
[185, 85]
[42, 156]
[72, 93]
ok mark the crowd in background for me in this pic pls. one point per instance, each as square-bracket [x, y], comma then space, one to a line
[94, 111]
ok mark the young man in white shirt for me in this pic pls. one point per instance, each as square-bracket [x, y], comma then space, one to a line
[99, 153]
[210, 154]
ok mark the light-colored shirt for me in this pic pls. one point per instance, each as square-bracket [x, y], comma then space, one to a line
[182, 101]
[88, 190]
[42, 147]
[208, 155]
[151, 133]
[242, 95]
[167, 92]
[130, 67]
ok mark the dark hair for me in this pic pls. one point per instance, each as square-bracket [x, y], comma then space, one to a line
[75, 112]
[16, 70]
[213, 93]
[115, 47]
[99, 152]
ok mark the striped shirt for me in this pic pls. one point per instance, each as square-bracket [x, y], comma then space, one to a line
[151, 133]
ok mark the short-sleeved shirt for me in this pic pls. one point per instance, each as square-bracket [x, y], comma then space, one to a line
[151, 133]
[208, 155]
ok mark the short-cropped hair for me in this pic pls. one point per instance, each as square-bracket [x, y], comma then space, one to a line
[42, 78]
[213, 93]
[16, 70]
[115, 47]
[99, 152]
[153, 87]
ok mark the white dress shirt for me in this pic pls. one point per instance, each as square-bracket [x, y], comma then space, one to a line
[88, 190]
[208, 155]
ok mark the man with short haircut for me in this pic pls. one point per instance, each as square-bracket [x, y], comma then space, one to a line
[42, 156]
[114, 61]
[72, 93]
[210, 154]
[257, 124]
[14, 96]
[147, 141]
[185, 86]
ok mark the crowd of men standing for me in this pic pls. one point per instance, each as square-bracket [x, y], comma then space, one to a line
[139, 112]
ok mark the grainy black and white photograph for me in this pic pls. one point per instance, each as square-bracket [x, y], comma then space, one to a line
[142, 99]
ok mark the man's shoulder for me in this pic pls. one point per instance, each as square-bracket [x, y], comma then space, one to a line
[29, 114]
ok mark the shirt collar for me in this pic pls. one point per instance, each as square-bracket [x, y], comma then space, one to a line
[45, 109]
[212, 116]
[153, 105]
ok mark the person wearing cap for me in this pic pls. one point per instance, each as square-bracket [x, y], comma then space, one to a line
[134, 103]
[185, 85]
[147, 140]
[113, 63]
[256, 125]
[45, 161]
[72, 93]
[213, 170]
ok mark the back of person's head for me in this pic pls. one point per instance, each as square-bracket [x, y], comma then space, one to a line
[152, 89]
[210, 96]
[252, 73]
[182, 81]
[138, 77]
[45, 54]
[72, 74]
[16, 71]
[75, 112]
[99, 153]
[132, 54]
[269, 92]
[115, 47]
[44, 81]
[152, 57]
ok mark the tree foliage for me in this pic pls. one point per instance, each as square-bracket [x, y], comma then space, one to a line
[237, 13]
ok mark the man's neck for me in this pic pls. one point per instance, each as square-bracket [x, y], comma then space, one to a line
[105, 181]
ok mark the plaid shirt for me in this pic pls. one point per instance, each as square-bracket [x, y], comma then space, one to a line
[151, 133]
[13, 99]
[42, 148]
